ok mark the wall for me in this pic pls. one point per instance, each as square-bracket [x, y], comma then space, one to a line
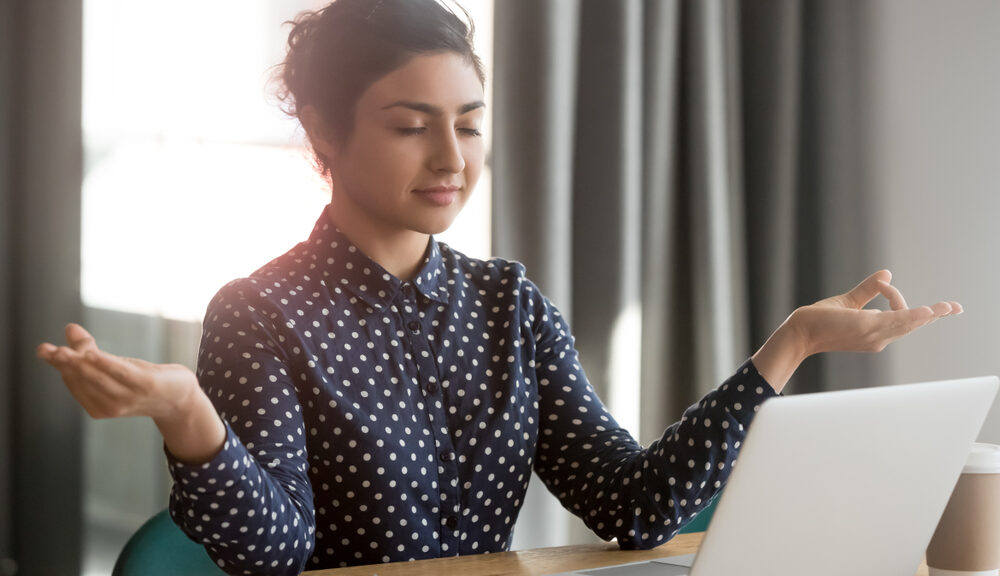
[935, 135]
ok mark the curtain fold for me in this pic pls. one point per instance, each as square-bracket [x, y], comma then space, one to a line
[661, 344]
[536, 67]
[771, 56]
[6, 222]
[678, 179]
[710, 127]
[607, 198]
[540, 59]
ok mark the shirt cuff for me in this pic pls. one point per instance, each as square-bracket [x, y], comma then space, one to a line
[223, 471]
[744, 392]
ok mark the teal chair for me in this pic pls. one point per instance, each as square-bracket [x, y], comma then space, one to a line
[159, 548]
[701, 521]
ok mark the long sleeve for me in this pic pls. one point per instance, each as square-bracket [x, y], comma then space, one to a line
[252, 505]
[371, 419]
[641, 496]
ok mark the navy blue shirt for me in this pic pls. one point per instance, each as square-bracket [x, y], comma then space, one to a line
[371, 419]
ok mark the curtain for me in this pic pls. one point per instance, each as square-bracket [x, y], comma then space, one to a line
[40, 168]
[678, 176]
[6, 46]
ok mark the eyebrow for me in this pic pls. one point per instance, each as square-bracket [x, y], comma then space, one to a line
[434, 110]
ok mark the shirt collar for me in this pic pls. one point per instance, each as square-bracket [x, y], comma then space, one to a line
[353, 270]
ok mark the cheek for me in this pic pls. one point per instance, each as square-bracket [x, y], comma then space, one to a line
[386, 162]
[475, 156]
[474, 151]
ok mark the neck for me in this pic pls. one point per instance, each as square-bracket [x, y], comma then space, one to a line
[399, 251]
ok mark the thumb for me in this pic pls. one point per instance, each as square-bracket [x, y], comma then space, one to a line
[79, 339]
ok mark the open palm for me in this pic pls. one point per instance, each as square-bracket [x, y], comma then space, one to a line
[842, 322]
[109, 386]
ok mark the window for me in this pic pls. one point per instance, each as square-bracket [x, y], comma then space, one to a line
[193, 175]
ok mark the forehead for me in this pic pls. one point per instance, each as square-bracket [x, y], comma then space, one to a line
[445, 80]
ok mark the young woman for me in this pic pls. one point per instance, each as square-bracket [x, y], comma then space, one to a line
[373, 395]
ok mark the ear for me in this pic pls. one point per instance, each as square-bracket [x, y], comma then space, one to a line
[319, 134]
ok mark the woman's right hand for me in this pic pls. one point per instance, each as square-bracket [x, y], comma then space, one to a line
[109, 386]
[842, 322]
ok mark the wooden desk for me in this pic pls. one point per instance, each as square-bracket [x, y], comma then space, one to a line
[529, 562]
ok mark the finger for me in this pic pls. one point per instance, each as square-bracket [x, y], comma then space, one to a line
[63, 357]
[78, 338]
[45, 350]
[98, 392]
[103, 383]
[892, 294]
[121, 369]
[898, 323]
[956, 308]
[84, 395]
[941, 309]
[868, 289]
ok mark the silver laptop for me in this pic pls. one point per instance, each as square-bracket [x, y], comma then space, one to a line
[849, 482]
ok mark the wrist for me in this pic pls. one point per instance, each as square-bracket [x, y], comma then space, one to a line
[192, 429]
[797, 335]
[781, 355]
[182, 397]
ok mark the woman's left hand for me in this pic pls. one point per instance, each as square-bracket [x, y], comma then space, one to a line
[841, 322]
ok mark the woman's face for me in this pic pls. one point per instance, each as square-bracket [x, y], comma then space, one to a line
[415, 152]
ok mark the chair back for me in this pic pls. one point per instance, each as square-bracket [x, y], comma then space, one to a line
[160, 548]
[701, 521]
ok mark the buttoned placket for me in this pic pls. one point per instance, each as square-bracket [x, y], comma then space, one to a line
[428, 376]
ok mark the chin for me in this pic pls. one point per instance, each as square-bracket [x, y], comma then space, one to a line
[432, 224]
[432, 228]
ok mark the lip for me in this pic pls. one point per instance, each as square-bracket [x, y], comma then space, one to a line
[438, 189]
[438, 195]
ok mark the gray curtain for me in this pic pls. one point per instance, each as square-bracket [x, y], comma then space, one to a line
[6, 45]
[40, 167]
[697, 165]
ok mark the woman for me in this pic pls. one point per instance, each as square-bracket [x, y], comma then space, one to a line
[374, 395]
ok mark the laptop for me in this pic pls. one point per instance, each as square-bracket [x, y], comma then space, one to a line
[834, 483]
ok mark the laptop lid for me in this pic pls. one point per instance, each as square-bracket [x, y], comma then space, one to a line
[834, 483]
[849, 482]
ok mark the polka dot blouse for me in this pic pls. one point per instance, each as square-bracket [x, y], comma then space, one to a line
[370, 419]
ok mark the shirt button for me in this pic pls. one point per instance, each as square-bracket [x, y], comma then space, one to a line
[431, 388]
[451, 522]
[414, 326]
[447, 456]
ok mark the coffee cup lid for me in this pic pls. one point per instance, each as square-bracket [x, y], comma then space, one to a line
[983, 459]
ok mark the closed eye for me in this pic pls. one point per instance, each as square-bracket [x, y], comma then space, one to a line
[421, 129]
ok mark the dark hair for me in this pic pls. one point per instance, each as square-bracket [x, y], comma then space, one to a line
[336, 53]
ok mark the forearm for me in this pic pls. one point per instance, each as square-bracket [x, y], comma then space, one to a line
[192, 430]
[781, 355]
[642, 496]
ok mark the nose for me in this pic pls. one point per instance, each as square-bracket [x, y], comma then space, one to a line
[448, 155]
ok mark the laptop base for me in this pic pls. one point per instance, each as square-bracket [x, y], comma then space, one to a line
[672, 566]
